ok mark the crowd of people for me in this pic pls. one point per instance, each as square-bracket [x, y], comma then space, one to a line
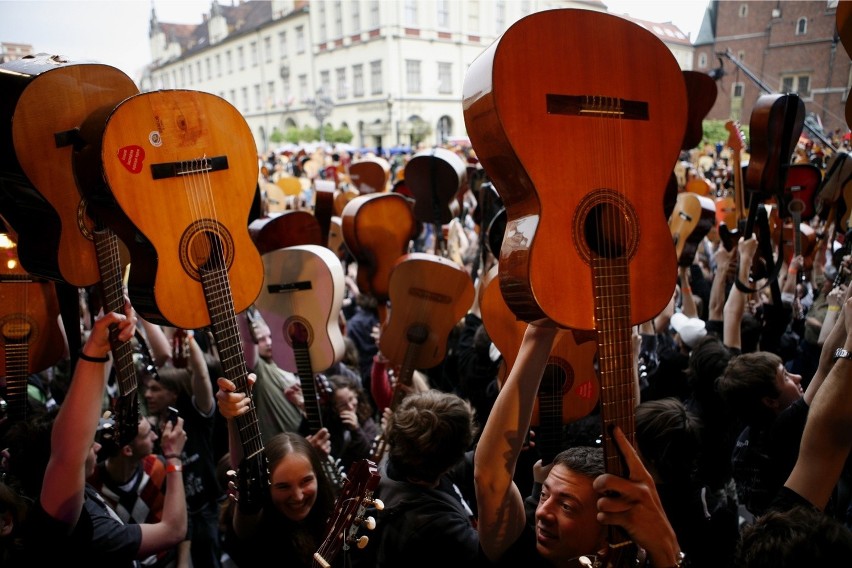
[743, 426]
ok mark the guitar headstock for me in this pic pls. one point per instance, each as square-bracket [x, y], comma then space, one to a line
[736, 139]
[349, 510]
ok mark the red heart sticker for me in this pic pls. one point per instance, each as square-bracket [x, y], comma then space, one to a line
[132, 157]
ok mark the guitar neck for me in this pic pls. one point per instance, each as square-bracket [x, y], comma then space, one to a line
[16, 372]
[308, 383]
[217, 294]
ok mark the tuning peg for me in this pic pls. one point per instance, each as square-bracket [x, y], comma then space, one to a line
[362, 542]
[378, 504]
[370, 523]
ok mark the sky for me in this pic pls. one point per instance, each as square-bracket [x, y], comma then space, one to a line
[115, 32]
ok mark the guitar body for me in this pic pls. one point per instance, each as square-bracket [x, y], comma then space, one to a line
[435, 178]
[174, 173]
[370, 175]
[44, 99]
[803, 180]
[558, 198]
[693, 217]
[428, 293]
[701, 93]
[303, 284]
[31, 339]
[377, 230]
[569, 388]
[288, 229]
[776, 123]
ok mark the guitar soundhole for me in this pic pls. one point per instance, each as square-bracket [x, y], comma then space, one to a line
[605, 226]
[297, 332]
[84, 222]
[558, 378]
[206, 245]
[417, 334]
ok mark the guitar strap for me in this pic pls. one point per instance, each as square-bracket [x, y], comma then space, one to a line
[759, 218]
[69, 308]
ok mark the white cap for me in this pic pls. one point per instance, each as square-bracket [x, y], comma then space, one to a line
[689, 329]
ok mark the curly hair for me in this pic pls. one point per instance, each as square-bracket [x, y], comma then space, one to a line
[429, 433]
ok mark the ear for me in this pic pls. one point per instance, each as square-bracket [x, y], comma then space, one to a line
[771, 403]
[7, 524]
[126, 450]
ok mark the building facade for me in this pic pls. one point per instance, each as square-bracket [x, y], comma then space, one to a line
[390, 71]
[758, 47]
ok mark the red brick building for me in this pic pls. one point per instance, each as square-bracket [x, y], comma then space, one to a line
[784, 46]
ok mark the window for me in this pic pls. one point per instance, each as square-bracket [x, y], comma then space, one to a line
[267, 49]
[254, 58]
[245, 99]
[198, 70]
[801, 26]
[189, 74]
[743, 10]
[300, 39]
[209, 68]
[800, 84]
[737, 90]
[443, 14]
[410, 13]
[270, 94]
[234, 97]
[473, 17]
[218, 64]
[229, 62]
[303, 87]
[412, 76]
[258, 98]
[338, 19]
[445, 78]
[374, 14]
[241, 58]
[741, 56]
[325, 82]
[702, 61]
[500, 16]
[375, 77]
[341, 82]
[355, 11]
[525, 7]
[282, 44]
[358, 80]
[322, 34]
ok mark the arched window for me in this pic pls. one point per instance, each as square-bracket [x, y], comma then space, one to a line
[801, 26]
[743, 10]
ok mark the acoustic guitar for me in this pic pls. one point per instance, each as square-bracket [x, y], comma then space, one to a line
[569, 388]
[693, 217]
[174, 173]
[49, 97]
[565, 141]
[30, 337]
[730, 209]
[377, 231]
[435, 178]
[370, 175]
[429, 294]
[290, 228]
[797, 237]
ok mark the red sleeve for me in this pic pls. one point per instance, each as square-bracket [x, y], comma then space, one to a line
[380, 387]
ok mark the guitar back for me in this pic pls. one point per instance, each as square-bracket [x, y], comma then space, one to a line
[701, 93]
[693, 217]
[567, 138]
[50, 97]
[174, 173]
[291, 228]
[435, 178]
[377, 230]
[370, 175]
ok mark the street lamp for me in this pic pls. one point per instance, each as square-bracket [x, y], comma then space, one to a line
[322, 107]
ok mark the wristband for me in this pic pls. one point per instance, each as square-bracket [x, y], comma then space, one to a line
[833, 308]
[172, 468]
[91, 359]
[792, 270]
[172, 456]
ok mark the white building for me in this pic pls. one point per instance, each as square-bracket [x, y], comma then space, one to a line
[386, 69]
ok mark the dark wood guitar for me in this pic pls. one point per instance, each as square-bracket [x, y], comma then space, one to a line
[701, 93]
[30, 337]
[429, 294]
[569, 388]
[174, 173]
[730, 209]
[693, 217]
[797, 237]
[300, 301]
[377, 231]
[290, 228]
[597, 223]
[370, 175]
[350, 509]
[48, 98]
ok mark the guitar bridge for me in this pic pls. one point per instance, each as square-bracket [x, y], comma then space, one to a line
[189, 167]
[597, 106]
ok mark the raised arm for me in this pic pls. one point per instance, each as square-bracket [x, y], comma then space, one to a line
[73, 434]
[202, 387]
[718, 288]
[737, 299]
[499, 501]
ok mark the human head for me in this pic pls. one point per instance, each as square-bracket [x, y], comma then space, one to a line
[168, 384]
[800, 536]
[566, 515]
[429, 433]
[347, 394]
[707, 361]
[689, 329]
[757, 387]
[299, 489]
[264, 340]
[668, 438]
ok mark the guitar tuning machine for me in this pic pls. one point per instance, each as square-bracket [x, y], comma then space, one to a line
[359, 542]
[378, 504]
